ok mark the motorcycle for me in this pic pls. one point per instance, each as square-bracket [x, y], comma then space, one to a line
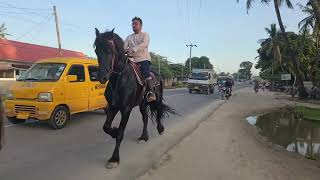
[256, 89]
[226, 93]
[220, 87]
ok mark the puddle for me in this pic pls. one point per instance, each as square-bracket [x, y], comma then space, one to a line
[296, 135]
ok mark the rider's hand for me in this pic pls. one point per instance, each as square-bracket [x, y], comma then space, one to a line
[130, 52]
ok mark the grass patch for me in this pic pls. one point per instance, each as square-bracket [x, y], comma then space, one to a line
[308, 113]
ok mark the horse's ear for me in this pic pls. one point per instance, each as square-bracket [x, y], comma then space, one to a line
[97, 32]
[112, 31]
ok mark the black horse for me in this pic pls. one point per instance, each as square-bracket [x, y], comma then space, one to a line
[123, 91]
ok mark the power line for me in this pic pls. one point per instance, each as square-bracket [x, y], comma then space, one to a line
[30, 31]
[23, 13]
[19, 18]
[8, 5]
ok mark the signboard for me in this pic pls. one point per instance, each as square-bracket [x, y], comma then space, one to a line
[286, 77]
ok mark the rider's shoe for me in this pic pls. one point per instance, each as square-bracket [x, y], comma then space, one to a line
[150, 95]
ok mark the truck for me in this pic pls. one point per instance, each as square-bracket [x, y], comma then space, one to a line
[202, 80]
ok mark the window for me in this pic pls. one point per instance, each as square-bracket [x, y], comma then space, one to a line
[93, 73]
[77, 70]
[44, 72]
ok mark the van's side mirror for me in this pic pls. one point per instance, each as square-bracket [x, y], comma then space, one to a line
[72, 78]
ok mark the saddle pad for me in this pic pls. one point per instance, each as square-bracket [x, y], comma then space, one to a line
[137, 72]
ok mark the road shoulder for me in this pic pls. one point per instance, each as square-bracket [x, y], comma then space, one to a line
[226, 147]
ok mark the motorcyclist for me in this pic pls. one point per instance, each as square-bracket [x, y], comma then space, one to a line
[228, 84]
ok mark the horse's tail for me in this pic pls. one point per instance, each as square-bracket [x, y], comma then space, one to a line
[1, 126]
[158, 109]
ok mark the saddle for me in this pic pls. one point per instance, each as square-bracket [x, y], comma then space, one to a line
[138, 74]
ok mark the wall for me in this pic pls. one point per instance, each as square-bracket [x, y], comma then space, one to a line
[5, 85]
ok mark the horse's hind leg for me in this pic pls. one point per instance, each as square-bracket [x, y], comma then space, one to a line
[144, 136]
[115, 159]
[111, 113]
[159, 117]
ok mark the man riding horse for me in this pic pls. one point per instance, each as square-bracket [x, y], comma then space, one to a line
[125, 90]
[136, 46]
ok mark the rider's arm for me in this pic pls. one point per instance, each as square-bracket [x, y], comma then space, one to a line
[126, 44]
[144, 44]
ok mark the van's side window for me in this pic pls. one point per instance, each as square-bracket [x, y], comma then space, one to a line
[93, 73]
[79, 71]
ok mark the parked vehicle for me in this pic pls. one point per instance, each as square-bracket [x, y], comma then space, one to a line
[202, 80]
[54, 89]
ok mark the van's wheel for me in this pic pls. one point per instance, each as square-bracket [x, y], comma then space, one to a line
[59, 117]
[14, 120]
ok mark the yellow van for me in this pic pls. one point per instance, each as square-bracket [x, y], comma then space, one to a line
[54, 89]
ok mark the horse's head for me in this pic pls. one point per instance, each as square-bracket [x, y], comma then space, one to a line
[106, 53]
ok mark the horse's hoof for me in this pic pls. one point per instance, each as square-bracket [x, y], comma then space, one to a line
[112, 165]
[160, 130]
[140, 141]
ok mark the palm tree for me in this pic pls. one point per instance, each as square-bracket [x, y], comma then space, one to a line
[293, 57]
[308, 22]
[3, 34]
[272, 45]
[316, 9]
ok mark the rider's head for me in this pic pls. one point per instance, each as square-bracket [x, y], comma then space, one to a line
[137, 24]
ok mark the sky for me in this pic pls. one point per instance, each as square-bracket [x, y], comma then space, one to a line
[223, 30]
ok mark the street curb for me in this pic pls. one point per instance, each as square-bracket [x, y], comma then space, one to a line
[174, 89]
[183, 132]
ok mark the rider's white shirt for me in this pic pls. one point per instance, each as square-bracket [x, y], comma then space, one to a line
[139, 43]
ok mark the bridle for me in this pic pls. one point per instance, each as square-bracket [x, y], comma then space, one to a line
[111, 70]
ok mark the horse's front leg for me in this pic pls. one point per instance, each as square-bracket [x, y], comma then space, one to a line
[111, 113]
[114, 161]
[144, 136]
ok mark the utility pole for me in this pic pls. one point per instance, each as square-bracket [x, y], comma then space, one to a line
[190, 55]
[238, 75]
[57, 28]
[182, 73]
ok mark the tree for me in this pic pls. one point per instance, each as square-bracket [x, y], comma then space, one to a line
[308, 22]
[245, 70]
[302, 45]
[222, 74]
[164, 66]
[272, 46]
[199, 63]
[3, 30]
[293, 57]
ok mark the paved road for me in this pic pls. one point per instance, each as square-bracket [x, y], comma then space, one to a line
[80, 150]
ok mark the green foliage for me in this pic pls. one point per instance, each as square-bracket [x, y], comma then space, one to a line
[202, 62]
[3, 30]
[245, 70]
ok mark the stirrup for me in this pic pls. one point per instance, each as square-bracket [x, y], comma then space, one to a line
[151, 96]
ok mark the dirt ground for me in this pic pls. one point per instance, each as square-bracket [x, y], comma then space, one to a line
[226, 147]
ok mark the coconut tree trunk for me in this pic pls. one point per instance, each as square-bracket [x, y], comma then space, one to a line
[316, 9]
[293, 57]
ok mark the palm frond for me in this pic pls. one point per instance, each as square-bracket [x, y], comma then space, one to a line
[289, 4]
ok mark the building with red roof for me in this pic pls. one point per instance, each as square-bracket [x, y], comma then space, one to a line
[18, 56]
